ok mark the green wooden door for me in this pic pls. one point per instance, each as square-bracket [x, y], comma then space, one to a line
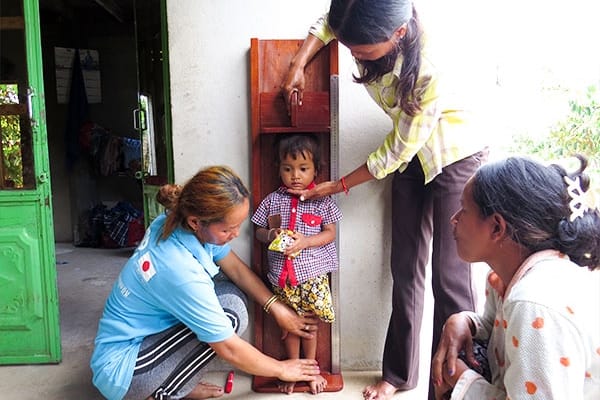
[153, 118]
[29, 323]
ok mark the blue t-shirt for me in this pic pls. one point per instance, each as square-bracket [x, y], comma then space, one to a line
[165, 282]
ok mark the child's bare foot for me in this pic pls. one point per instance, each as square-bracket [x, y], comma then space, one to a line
[382, 390]
[318, 385]
[286, 387]
[205, 391]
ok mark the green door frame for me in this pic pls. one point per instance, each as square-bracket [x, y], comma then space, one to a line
[167, 89]
[29, 310]
[152, 182]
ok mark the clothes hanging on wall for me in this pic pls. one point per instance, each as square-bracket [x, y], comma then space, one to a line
[77, 114]
[132, 150]
[110, 154]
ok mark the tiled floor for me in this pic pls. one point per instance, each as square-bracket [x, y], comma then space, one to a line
[85, 277]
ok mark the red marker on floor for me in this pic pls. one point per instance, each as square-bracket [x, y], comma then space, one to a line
[229, 383]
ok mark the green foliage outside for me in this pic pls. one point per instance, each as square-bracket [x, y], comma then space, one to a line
[579, 133]
[11, 139]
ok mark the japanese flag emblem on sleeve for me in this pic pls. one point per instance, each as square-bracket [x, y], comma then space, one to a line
[146, 267]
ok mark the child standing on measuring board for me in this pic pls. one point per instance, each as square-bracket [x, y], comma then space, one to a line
[301, 237]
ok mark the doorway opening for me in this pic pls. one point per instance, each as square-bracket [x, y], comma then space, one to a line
[100, 57]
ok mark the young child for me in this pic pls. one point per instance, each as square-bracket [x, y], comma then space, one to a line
[298, 269]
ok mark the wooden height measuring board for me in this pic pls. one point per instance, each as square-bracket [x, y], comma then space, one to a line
[269, 63]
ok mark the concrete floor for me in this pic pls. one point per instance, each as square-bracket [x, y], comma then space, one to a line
[85, 277]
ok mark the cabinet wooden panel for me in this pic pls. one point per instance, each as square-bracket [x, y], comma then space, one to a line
[269, 63]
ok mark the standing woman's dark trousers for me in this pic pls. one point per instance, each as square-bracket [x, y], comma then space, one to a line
[421, 213]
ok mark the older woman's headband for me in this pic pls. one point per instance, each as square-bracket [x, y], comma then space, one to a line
[580, 201]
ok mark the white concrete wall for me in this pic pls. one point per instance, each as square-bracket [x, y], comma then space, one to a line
[209, 44]
[209, 60]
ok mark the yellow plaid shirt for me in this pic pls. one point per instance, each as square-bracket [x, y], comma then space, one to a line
[439, 135]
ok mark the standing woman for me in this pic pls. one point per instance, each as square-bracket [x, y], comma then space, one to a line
[166, 316]
[432, 150]
[538, 228]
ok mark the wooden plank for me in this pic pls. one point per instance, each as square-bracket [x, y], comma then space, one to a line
[11, 23]
[269, 63]
[335, 383]
[312, 115]
[257, 247]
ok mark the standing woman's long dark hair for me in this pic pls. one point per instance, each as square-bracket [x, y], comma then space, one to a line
[358, 22]
[209, 195]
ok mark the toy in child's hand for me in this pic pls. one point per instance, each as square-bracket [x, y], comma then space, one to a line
[282, 241]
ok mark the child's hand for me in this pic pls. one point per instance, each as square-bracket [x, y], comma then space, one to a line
[284, 240]
[273, 233]
[300, 242]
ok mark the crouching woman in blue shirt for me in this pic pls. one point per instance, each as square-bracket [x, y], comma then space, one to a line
[166, 316]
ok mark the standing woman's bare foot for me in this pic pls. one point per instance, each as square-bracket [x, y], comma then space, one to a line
[205, 391]
[318, 385]
[286, 387]
[382, 390]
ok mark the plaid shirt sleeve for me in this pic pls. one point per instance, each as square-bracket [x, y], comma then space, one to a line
[331, 212]
[260, 216]
[409, 133]
[321, 30]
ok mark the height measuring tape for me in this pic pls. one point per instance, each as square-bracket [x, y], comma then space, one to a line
[334, 176]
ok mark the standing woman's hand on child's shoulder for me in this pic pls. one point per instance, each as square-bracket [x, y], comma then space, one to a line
[321, 190]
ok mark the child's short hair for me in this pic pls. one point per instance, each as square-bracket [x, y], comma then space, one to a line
[299, 144]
